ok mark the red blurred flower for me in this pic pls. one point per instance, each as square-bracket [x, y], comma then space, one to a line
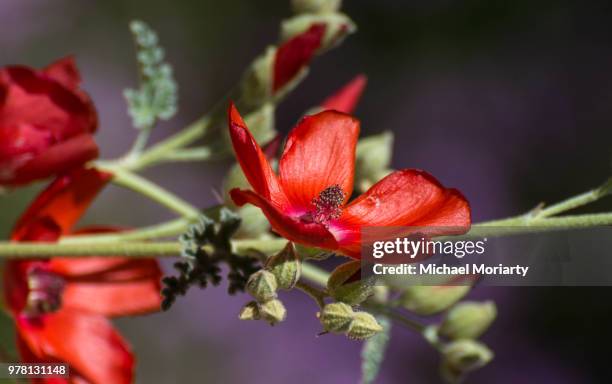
[295, 54]
[46, 122]
[61, 306]
[307, 201]
[346, 98]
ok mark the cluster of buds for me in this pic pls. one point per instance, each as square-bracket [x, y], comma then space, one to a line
[281, 271]
[462, 323]
[341, 318]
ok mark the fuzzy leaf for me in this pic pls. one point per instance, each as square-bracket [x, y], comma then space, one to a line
[156, 98]
[373, 352]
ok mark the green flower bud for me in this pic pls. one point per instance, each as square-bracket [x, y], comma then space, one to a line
[336, 317]
[363, 326]
[315, 6]
[250, 312]
[337, 27]
[468, 320]
[273, 311]
[429, 300]
[285, 266]
[256, 84]
[342, 273]
[262, 285]
[261, 123]
[254, 223]
[234, 178]
[463, 356]
[342, 285]
[373, 159]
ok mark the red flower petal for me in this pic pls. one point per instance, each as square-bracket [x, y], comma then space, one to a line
[40, 110]
[56, 209]
[63, 156]
[64, 71]
[312, 234]
[346, 98]
[86, 342]
[404, 198]
[295, 54]
[253, 161]
[319, 153]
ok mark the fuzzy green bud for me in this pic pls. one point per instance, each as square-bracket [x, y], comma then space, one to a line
[363, 326]
[261, 123]
[429, 300]
[285, 266]
[262, 285]
[273, 311]
[337, 27]
[253, 223]
[463, 356]
[468, 320]
[249, 312]
[256, 84]
[345, 285]
[336, 317]
[315, 6]
[373, 159]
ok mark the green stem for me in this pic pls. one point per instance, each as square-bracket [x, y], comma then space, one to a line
[171, 228]
[153, 191]
[139, 144]
[25, 250]
[317, 294]
[190, 154]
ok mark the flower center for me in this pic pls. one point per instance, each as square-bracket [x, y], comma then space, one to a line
[327, 205]
[45, 292]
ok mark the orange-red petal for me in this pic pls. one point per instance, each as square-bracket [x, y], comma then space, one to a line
[110, 286]
[253, 161]
[285, 224]
[87, 342]
[56, 209]
[404, 198]
[319, 153]
[346, 98]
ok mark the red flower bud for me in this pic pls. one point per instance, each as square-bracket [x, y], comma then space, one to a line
[46, 122]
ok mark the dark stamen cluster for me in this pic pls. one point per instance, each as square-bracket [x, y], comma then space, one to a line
[328, 203]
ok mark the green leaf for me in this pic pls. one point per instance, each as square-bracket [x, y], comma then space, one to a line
[373, 352]
[156, 99]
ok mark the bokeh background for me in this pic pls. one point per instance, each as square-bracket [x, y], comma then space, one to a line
[511, 102]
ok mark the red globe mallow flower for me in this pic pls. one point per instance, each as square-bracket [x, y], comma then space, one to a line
[46, 122]
[346, 98]
[61, 306]
[295, 54]
[307, 202]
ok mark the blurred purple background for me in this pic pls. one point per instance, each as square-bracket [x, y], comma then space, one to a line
[511, 102]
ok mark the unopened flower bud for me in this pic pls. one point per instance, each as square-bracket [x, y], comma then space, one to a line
[261, 123]
[463, 356]
[262, 285]
[429, 300]
[363, 326]
[234, 178]
[373, 156]
[285, 266]
[273, 311]
[315, 6]
[344, 284]
[250, 312]
[468, 320]
[336, 317]
[256, 84]
[337, 27]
